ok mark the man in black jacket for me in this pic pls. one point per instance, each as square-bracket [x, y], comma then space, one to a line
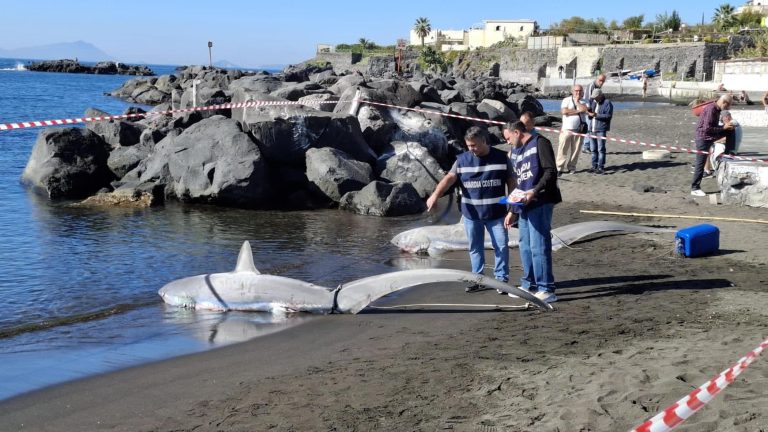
[535, 195]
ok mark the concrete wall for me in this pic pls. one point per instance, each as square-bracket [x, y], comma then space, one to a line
[578, 60]
[737, 75]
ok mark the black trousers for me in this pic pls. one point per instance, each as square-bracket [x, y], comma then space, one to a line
[701, 159]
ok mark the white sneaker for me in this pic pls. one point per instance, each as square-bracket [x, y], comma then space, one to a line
[546, 297]
[698, 193]
[515, 295]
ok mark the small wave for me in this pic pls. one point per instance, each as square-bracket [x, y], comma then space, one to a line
[72, 319]
[18, 67]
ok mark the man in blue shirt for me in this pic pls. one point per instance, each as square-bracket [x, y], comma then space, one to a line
[483, 173]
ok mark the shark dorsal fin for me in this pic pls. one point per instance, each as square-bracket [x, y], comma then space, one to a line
[245, 259]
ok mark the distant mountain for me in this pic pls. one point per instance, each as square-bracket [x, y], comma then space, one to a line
[226, 64]
[271, 67]
[82, 51]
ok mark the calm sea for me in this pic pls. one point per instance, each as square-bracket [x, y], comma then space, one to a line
[78, 287]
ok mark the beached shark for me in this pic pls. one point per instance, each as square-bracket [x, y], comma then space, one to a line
[246, 289]
[435, 240]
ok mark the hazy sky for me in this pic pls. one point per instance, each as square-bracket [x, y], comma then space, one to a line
[254, 33]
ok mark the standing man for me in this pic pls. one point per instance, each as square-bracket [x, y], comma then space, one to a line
[536, 176]
[573, 108]
[484, 175]
[765, 102]
[527, 118]
[596, 84]
[600, 115]
[708, 130]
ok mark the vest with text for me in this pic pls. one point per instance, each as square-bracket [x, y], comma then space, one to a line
[525, 164]
[483, 183]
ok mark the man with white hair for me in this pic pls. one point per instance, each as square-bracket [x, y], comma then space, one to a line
[708, 130]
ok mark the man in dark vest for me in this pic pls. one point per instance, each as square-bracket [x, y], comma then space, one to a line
[484, 174]
[536, 192]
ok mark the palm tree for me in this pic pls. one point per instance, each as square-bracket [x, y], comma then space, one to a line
[364, 43]
[422, 28]
[723, 17]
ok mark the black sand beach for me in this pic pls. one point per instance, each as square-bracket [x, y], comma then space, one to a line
[635, 329]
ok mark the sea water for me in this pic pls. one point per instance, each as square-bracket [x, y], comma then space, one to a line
[78, 287]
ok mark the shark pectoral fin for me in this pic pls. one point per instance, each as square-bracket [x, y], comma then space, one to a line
[245, 260]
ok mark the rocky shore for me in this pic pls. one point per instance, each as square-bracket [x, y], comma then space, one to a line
[101, 68]
[305, 147]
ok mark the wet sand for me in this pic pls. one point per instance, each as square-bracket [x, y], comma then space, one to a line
[635, 329]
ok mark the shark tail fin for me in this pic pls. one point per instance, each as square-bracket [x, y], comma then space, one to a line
[245, 260]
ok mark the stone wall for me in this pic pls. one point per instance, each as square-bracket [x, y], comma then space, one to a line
[526, 65]
[674, 60]
[341, 61]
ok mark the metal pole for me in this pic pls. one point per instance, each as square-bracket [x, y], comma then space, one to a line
[210, 58]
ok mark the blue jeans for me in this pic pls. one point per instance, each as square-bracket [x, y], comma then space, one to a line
[535, 225]
[586, 145]
[500, 241]
[597, 146]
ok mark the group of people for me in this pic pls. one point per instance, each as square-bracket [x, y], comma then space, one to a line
[527, 174]
[586, 122]
[527, 178]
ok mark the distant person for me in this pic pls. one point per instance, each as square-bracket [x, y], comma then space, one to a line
[530, 125]
[721, 88]
[573, 108]
[744, 98]
[645, 85]
[765, 102]
[708, 130]
[484, 174]
[596, 84]
[560, 70]
[535, 178]
[600, 114]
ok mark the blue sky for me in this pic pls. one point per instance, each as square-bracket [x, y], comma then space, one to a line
[254, 33]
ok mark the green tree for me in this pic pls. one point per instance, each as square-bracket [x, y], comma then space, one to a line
[577, 24]
[723, 17]
[614, 25]
[668, 22]
[366, 44]
[749, 18]
[422, 28]
[433, 59]
[633, 22]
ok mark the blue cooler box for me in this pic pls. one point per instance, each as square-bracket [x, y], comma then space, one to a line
[697, 240]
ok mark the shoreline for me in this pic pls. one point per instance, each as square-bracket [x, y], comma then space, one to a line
[635, 330]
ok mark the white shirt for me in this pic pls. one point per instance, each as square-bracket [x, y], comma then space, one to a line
[572, 122]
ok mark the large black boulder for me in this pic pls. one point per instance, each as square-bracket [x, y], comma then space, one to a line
[68, 163]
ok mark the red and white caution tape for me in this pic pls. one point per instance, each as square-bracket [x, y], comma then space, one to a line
[671, 417]
[558, 131]
[43, 123]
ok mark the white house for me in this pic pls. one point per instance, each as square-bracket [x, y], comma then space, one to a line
[760, 6]
[491, 32]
